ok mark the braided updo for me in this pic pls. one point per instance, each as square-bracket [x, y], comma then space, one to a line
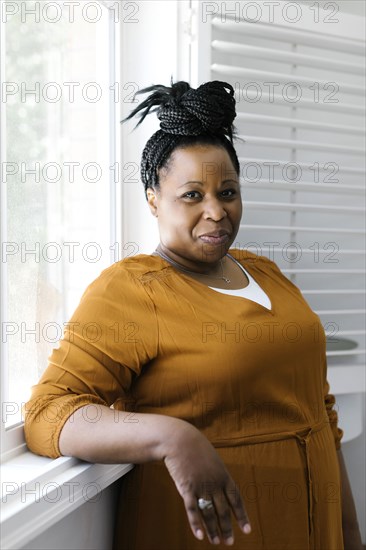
[202, 116]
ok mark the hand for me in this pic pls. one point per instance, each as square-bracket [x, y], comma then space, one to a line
[198, 472]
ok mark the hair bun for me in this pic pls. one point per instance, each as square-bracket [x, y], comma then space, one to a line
[209, 108]
[186, 111]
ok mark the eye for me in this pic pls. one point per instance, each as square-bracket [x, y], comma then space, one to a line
[192, 195]
[229, 193]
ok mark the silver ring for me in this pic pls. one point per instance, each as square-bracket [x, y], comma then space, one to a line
[205, 504]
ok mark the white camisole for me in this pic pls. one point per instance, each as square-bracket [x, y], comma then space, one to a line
[252, 291]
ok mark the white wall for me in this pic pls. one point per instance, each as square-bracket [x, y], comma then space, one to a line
[89, 527]
[151, 61]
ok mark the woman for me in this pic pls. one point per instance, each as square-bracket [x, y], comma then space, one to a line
[223, 408]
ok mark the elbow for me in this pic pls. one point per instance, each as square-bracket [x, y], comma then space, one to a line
[45, 416]
[40, 427]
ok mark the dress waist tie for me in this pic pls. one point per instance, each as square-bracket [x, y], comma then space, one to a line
[303, 436]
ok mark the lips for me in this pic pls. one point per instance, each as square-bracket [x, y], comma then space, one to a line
[217, 233]
[218, 237]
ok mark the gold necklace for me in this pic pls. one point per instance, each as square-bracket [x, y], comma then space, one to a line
[165, 257]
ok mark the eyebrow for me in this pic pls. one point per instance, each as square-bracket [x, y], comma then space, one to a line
[200, 182]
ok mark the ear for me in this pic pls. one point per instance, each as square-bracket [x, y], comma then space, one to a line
[152, 201]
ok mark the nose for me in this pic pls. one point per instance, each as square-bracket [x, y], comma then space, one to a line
[213, 209]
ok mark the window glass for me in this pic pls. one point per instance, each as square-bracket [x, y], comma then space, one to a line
[56, 178]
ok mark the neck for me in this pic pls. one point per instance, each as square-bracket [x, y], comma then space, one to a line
[214, 271]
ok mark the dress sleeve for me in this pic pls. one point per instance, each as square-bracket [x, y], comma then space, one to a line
[111, 335]
[330, 402]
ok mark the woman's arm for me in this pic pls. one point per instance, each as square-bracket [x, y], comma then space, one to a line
[351, 531]
[116, 436]
[191, 460]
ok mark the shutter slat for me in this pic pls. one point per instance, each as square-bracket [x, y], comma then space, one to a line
[300, 123]
[304, 186]
[296, 206]
[314, 228]
[283, 34]
[335, 291]
[321, 250]
[303, 165]
[284, 78]
[324, 271]
[340, 311]
[302, 145]
[253, 52]
[253, 96]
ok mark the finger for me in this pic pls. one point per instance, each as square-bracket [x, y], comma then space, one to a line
[211, 523]
[194, 517]
[223, 514]
[238, 508]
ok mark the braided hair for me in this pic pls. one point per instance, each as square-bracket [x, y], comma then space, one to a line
[202, 116]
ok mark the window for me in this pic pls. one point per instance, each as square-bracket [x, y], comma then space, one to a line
[58, 172]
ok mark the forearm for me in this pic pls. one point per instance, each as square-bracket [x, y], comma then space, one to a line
[350, 526]
[116, 436]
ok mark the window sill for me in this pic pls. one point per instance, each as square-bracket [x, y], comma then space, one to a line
[37, 492]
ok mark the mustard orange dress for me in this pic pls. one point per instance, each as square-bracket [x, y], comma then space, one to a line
[150, 339]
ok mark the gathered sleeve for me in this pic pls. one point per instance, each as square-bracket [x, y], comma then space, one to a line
[329, 399]
[111, 335]
[330, 402]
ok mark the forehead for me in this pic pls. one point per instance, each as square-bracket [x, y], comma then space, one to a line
[201, 162]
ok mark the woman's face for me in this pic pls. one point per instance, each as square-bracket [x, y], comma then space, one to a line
[198, 206]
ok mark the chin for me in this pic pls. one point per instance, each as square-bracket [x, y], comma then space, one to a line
[213, 253]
